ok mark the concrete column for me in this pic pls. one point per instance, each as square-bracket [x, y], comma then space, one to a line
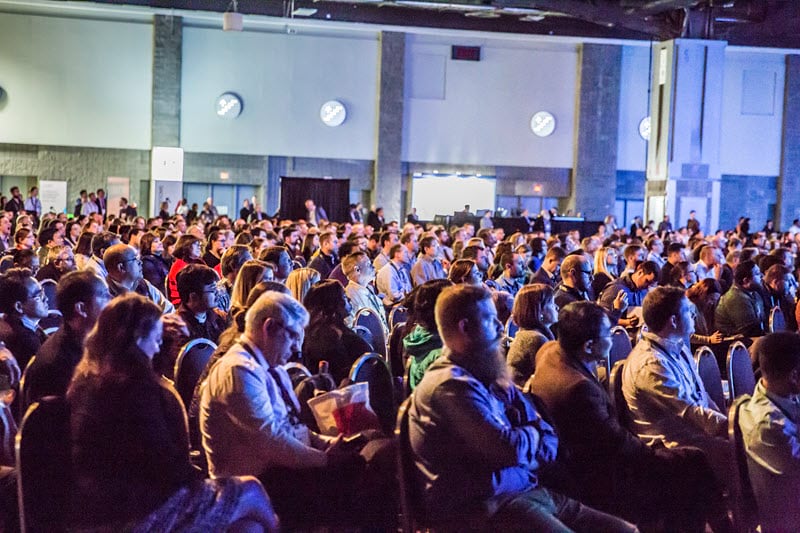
[167, 56]
[788, 205]
[683, 166]
[594, 179]
[387, 182]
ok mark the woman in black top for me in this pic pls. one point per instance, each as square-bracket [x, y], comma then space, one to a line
[154, 266]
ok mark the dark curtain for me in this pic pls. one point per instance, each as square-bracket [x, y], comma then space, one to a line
[333, 195]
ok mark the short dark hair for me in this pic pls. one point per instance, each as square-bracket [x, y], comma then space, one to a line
[386, 236]
[394, 249]
[101, 242]
[13, 290]
[272, 254]
[674, 248]
[647, 268]
[743, 271]
[778, 354]
[470, 252]
[21, 234]
[46, 235]
[425, 302]
[579, 322]
[427, 242]
[659, 305]
[193, 279]
[75, 287]
[233, 258]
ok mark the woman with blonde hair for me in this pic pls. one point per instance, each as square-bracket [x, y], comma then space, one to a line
[300, 280]
[605, 268]
[130, 448]
[534, 312]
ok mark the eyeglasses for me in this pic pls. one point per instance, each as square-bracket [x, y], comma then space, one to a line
[137, 259]
[38, 295]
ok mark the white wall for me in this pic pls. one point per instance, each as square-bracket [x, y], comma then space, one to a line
[283, 81]
[634, 105]
[752, 113]
[75, 82]
[465, 112]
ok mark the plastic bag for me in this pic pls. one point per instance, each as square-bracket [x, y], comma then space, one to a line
[344, 411]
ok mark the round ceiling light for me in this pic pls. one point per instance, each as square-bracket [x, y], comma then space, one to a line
[333, 113]
[543, 124]
[644, 128]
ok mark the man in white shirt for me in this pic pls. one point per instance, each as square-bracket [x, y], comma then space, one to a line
[360, 274]
[249, 418]
[394, 280]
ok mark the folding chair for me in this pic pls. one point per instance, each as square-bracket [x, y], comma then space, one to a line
[297, 372]
[743, 502]
[708, 369]
[511, 328]
[777, 322]
[49, 288]
[620, 346]
[741, 379]
[189, 366]
[370, 320]
[617, 398]
[397, 315]
[372, 369]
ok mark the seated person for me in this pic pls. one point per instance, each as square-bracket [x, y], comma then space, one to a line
[197, 287]
[124, 273]
[668, 403]
[23, 302]
[741, 309]
[81, 296]
[534, 312]
[60, 260]
[423, 344]
[477, 441]
[770, 424]
[611, 468]
[327, 337]
[9, 378]
[130, 447]
[635, 287]
[249, 418]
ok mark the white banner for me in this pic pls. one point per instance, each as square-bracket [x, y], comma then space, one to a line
[53, 195]
[116, 188]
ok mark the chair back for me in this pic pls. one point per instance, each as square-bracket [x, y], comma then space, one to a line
[372, 369]
[297, 372]
[777, 322]
[397, 355]
[49, 289]
[745, 511]
[617, 398]
[44, 466]
[397, 315]
[364, 333]
[741, 379]
[620, 345]
[406, 474]
[511, 328]
[189, 366]
[370, 320]
[24, 391]
[708, 369]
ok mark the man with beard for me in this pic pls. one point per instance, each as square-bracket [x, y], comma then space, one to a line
[477, 441]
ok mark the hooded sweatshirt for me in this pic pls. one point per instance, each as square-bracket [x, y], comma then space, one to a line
[423, 347]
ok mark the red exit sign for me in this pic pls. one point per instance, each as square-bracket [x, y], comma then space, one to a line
[465, 53]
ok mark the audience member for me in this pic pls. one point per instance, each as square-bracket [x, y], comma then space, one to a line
[534, 313]
[23, 303]
[393, 279]
[769, 422]
[326, 258]
[360, 274]
[129, 443]
[576, 279]
[100, 243]
[741, 309]
[155, 266]
[187, 251]
[197, 287]
[422, 344]
[60, 261]
[477, 440]
[611, 468]
[428, 266]
[300, 281]
[465, 271]
[704, 295]
[125, 275]
[514, 272]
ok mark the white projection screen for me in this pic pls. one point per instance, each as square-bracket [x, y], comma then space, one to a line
[443, 195]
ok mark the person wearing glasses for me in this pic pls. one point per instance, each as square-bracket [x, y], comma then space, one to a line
[576, 280]
[125, 275]
[197, 286]
[249, 419]
[23, 302]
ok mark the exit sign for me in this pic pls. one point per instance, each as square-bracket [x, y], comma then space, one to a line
[465, 53]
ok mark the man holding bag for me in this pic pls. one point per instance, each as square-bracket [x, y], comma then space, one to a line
[249, 418]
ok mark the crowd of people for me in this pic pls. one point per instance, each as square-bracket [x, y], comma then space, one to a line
[510, 424]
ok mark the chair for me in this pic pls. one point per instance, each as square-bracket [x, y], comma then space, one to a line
[370, 320]
[511, 328]
[372, 369]
[297, 372]
[777, 322]
[364, 333]
[44, 466]
[397, 315]
[49, 288]
[189, 366]
[620, 346]
[745, 510]
[413, 518]
[708, 369]
[741, 379]
[397, 355]
[24, 401]
[617, 398]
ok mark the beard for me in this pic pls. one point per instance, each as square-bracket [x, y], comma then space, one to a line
[488, 365]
